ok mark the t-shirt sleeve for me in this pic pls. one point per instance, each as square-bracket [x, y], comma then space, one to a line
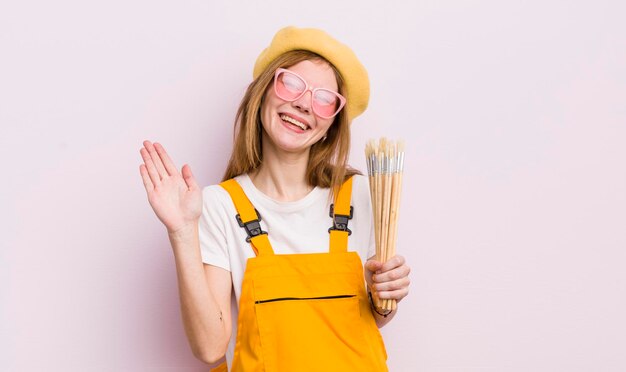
[362, 199]
[371, 251]
[212, 229]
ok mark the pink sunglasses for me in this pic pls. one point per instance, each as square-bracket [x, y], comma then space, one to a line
[289, 86]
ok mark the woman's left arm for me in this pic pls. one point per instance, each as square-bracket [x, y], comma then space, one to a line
[387, 281]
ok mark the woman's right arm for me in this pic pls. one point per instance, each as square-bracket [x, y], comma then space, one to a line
[204, 290]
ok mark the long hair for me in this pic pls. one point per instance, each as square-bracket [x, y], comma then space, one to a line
[327, 166]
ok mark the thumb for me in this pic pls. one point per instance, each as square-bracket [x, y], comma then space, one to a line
[190, 180]
[373, 265]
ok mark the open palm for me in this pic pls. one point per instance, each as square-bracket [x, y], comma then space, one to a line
[174, 196]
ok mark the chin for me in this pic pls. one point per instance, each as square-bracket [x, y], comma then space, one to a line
[293, 148]
[284, 143]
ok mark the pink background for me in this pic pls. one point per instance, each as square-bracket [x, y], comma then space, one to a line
[514, 212]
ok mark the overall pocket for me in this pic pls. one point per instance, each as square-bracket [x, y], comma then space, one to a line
[312, 333]
[304, 298]
[311, 321]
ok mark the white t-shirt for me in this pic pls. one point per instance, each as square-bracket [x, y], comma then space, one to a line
[293, 227]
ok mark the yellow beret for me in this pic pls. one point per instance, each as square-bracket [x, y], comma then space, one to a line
[357, 85]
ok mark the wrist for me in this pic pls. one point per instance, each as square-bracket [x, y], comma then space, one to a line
[184, 233]
[377, 310]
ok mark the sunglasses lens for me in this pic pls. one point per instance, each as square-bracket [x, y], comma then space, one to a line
[289, 86]
[326, 103]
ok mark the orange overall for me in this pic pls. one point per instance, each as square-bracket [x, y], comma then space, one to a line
[304, 312]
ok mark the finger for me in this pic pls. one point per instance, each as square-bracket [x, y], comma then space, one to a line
[156, 159]
[165, 158]
[393, 285]
[393, 262]
[152, 172]
[146, 178]
[394, 295]
[189, 178]
[388, 276]
[373, 265]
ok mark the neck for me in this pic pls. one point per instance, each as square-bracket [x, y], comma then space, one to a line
[282, 175]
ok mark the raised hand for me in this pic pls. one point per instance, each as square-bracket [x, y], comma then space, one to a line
[174, 196]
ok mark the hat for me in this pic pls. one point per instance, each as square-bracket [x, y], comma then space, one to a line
[357, 86]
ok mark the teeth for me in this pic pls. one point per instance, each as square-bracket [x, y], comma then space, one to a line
[294, 121]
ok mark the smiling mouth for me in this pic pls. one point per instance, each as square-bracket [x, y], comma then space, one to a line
[293, 121]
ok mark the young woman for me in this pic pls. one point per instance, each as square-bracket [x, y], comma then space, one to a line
[284, 237]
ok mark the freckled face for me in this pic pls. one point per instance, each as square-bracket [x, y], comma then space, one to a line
[293, 126]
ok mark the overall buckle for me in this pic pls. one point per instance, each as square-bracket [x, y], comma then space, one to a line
[340, 221]
[253, 227]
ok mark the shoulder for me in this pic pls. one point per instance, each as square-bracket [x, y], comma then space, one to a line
[359, 180]
[360, 189]
[214, 194]
[215, 199]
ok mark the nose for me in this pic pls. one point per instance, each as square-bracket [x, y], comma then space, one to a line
[304, 102]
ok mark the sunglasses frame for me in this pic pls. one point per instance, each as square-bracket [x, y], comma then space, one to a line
[342, 99]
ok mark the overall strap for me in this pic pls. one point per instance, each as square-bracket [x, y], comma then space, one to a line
[341, 213]
[248, 218]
